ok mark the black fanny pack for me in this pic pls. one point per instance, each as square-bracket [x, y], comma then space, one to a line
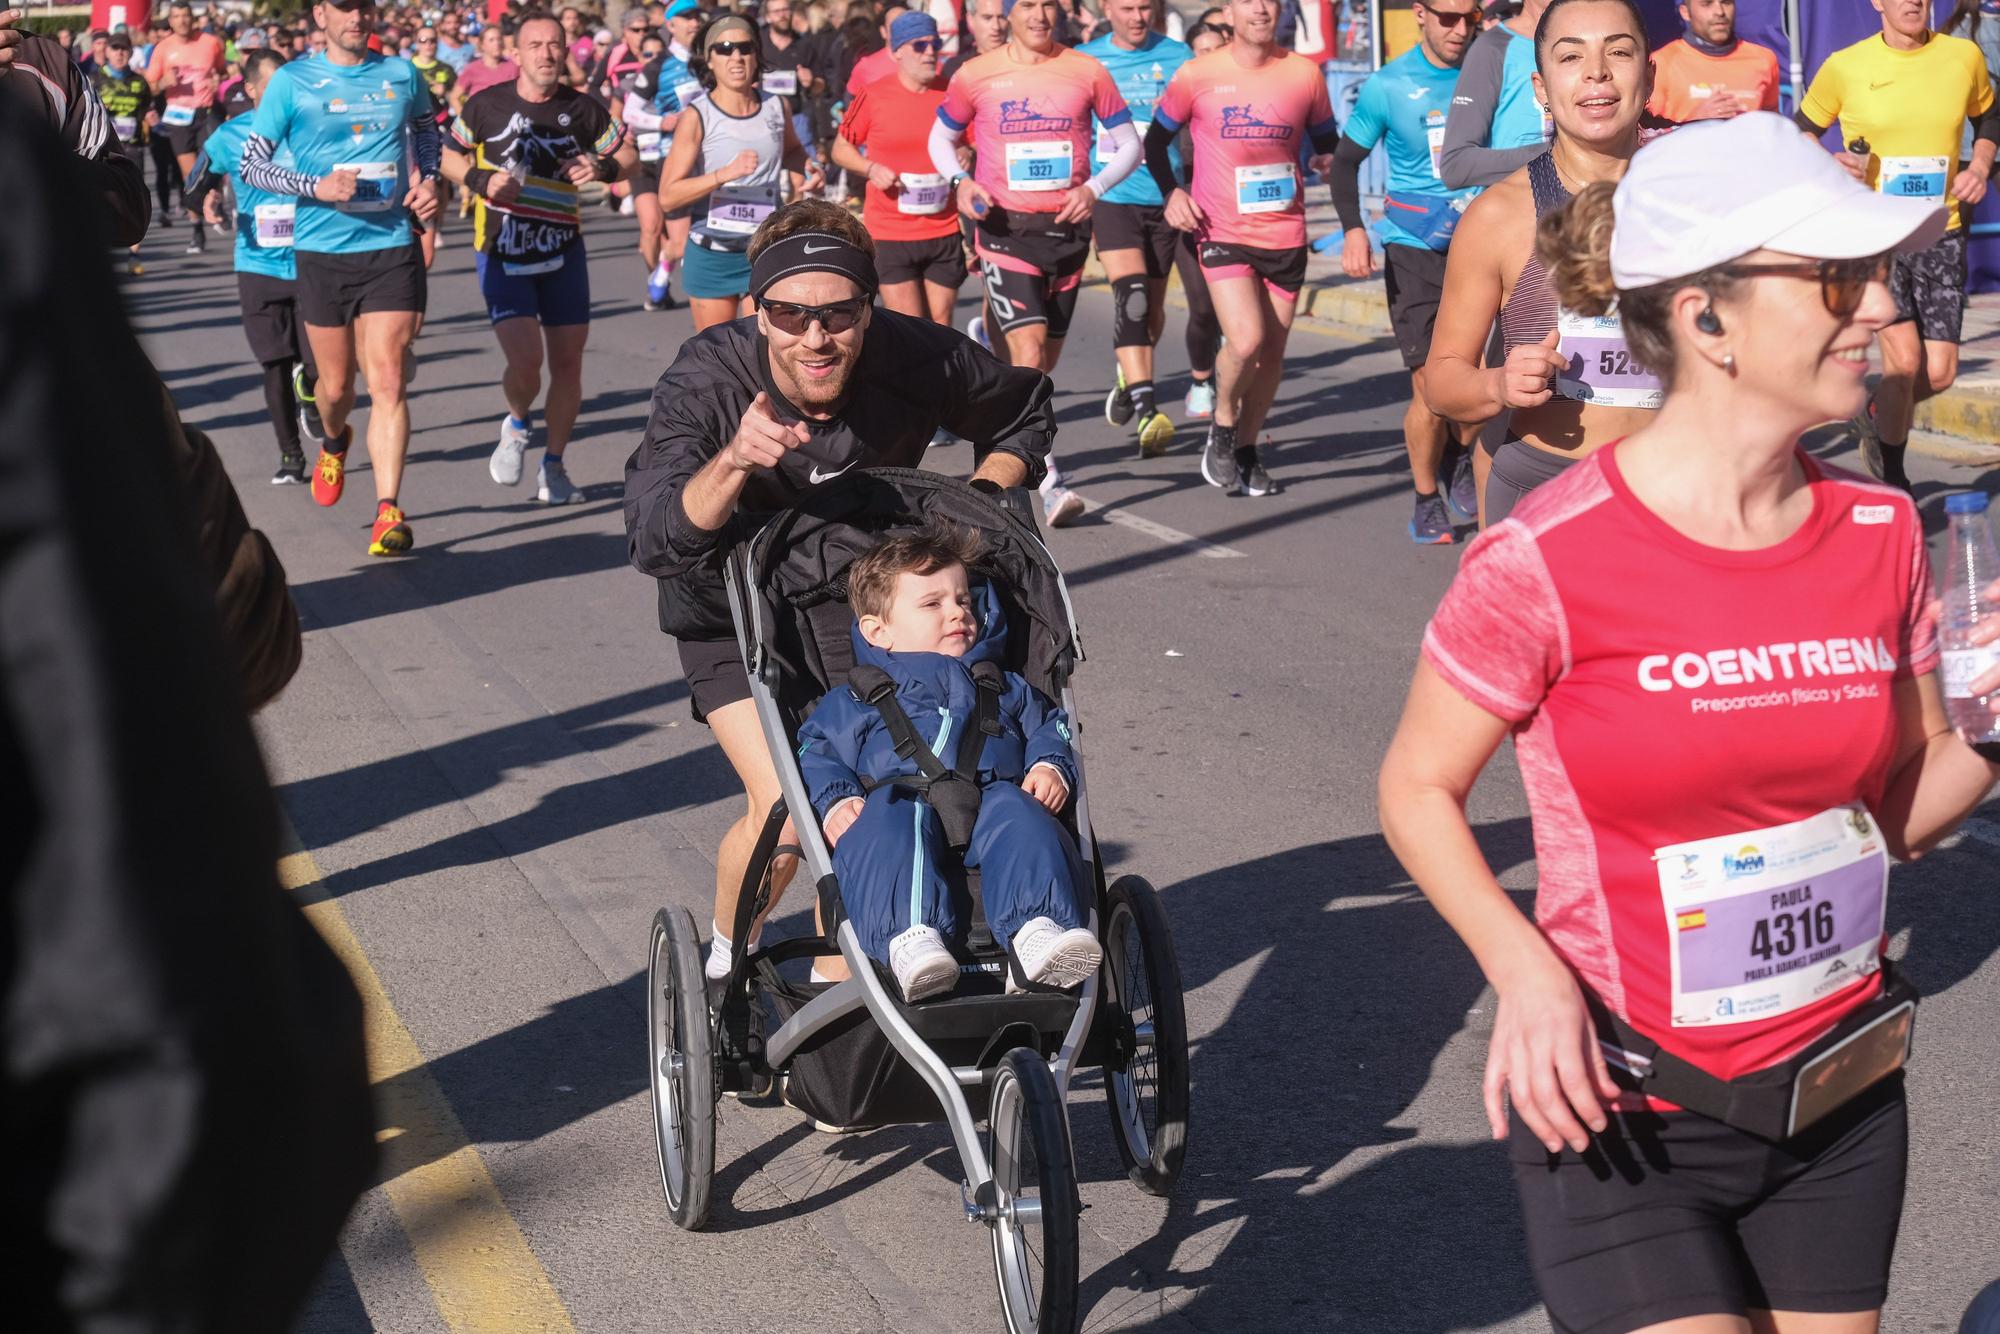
[1779, 1101]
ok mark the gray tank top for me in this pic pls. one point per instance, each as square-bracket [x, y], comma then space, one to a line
[734, 211]
[1531, 309]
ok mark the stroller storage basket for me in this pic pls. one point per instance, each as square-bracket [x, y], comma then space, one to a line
[848, 1074]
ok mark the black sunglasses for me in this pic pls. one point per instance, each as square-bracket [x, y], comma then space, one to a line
[925, 46]
[1843, 283]
[795, 319]
[1451, 20]
[733, 49]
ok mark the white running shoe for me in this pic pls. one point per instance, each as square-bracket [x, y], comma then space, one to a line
[921, 963]
[975, 329]
[554, 486]
[1061, 506]
[1050, 956]
[505, 465]
[1200, 401]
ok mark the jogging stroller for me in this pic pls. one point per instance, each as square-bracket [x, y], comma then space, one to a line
[853, 1053]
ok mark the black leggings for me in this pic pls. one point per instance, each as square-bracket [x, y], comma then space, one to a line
[166, 170]
[282, 404]
[1204, 331]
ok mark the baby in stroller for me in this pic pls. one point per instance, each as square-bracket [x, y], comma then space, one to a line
[930, 748]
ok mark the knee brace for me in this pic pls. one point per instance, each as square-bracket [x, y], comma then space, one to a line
[1131, 313]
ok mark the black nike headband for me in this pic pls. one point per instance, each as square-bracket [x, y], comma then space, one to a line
[811, 252]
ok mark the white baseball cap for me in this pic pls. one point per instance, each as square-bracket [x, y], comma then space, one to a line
[1716, 190]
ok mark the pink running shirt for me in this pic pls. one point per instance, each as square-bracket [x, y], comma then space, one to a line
[1032, 123]
[1248, 127]
[1681, 714]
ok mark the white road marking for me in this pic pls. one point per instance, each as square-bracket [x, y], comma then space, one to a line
[1159, 532]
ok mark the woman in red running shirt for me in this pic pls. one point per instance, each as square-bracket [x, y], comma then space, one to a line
[1716, 657]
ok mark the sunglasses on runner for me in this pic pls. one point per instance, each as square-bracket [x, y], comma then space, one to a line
[925, 46]
[1843, 283]
[1451, 20]
[733, 49]
[837, 318]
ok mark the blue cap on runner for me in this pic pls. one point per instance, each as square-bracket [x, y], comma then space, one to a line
[681, 7]
[909, 26]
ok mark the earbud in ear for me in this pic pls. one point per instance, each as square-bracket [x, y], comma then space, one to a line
[1707, 321]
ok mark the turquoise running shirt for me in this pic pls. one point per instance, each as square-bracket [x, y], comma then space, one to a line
[1519, 120]
[1406, 102]
[263, 221]
[361, 117]
[1141, 76]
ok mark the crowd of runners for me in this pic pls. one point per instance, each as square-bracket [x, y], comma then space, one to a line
[1584, 240]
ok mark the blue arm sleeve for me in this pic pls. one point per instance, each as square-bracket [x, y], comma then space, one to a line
[1046, 727]
[829, 748]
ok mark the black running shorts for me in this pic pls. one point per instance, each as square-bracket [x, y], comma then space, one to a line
[186, 140]
[1929, 287]
[715, 674]
[1414, 279]
[1033, 268]
[333, 289]
[940, 260]
[1283, 271]
[1140, 227]
[1675, 1215]
[271, 318]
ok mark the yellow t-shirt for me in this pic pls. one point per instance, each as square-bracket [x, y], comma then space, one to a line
[1911, 107]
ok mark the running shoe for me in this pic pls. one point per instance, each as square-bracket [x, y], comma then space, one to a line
[1156, 432]
[310, 426]
[942, 437]
[921, 964]
[1200, 401]
[291, 468]
[1050, 956]
[1217, 467]
[505, 465]
[975, 329]
[658, 283]
[1461, 490]
[1061, 506]
[554, 486]
[197, 244]
[1251, 477]
[134, 267]
[330, 474]
[391, 535]
[1118, 407]
[1430, 525]
[626, 208]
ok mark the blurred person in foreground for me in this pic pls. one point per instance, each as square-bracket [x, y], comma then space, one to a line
[181, 1051]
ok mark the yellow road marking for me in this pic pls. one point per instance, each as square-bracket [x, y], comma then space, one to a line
[481, 1271]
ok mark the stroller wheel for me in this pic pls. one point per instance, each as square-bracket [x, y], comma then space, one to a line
[683, 1066]
[1146, 1087]
[1034, 1222]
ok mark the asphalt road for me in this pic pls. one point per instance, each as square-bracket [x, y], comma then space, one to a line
[488, 756]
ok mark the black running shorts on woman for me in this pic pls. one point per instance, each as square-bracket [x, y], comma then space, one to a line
[1675, 1215]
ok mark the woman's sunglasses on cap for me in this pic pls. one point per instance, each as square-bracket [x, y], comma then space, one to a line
[1843, 283]
[837, 318]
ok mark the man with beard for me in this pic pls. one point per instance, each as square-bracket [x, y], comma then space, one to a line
[521, 150]
[354, 121]
[755, 412]
[1710, 73]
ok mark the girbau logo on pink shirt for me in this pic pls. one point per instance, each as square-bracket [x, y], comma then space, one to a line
[1244, 123]
[1767, 662]
[1020, 117]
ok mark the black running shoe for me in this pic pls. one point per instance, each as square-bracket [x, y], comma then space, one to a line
[1118, 407]
[1252, 480]
[1217, 468]
[291, 468]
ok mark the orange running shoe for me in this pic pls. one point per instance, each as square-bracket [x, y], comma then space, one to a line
[330, 476]
[392, 536]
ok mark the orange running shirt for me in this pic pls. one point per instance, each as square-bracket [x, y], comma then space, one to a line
[893, 126]
[1032, 123]
[187, 72]
[1684, 78]
[1248, 128]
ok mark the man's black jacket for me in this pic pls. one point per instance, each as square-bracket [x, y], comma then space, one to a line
[913, 378]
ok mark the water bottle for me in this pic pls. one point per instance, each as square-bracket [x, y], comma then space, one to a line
[1975, 565]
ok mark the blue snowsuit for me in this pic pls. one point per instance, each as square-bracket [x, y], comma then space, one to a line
[889, 859]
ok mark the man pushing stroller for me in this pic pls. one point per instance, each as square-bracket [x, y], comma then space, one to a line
[933, 751]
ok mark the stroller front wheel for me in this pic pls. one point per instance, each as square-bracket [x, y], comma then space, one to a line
[1035, 1199]
[683, 1067]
